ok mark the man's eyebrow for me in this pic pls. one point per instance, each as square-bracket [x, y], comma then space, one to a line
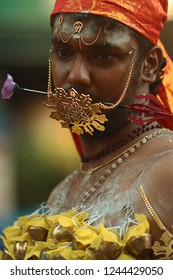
[105, 45]
[99, 45]
[56, 40]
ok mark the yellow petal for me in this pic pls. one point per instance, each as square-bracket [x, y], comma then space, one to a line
[82, 255]
[36, 221]
[21, 238]
[85, 235]
[67, 253]
[12, 231]
[109, 235]
[82, 217]
[65, 221]
[105, 235]
[136, 230]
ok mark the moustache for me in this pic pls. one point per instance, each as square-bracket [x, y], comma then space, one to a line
[82, 91]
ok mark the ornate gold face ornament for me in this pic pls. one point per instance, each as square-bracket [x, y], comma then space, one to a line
[75, 110]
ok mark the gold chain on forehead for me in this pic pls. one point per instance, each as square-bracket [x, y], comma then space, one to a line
[78, 26]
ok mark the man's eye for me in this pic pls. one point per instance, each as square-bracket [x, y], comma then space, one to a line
[104, 57]
[63, 53]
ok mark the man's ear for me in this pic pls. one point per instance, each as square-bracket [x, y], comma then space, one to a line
[151, 64]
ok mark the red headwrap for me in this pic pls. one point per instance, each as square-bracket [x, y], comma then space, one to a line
[144, 16]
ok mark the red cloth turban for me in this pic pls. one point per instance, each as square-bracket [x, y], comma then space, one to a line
[145, 16]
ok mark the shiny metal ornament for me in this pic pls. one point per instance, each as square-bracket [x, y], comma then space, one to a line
[164, 247]
[6, 255]
[75, 111]
[62, 234]
[44, 255]
[108, 251]
[77, 32]
[58, 257]
[78, 246]
[37, 233]
[20, 250]
[140, 246]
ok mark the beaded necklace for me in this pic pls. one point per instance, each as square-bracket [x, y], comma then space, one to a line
[130, 136]
[116, 161]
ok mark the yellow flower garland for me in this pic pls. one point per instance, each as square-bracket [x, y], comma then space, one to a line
[68, 236]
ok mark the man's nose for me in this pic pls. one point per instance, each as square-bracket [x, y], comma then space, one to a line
[79, 74]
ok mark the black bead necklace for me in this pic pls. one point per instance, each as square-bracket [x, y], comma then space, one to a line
[130, 136]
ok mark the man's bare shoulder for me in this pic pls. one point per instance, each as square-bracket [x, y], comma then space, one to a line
[58, 194]
[158, 186]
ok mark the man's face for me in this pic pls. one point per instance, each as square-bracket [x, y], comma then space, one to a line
[96, 62]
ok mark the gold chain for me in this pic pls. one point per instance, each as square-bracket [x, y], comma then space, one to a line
[98, 167]
[49, 87]
[78, 26]
[131, 149]
[105, 107]
[150, 209]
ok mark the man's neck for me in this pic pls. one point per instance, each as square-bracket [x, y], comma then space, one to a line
[94, 144]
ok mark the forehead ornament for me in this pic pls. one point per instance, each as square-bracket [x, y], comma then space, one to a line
[76, 33]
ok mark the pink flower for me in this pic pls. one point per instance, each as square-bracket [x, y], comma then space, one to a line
[8, 88]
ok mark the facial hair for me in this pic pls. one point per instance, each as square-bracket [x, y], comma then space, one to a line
[119, 117]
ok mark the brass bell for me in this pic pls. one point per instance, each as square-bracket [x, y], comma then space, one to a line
[58, 257]
[37, 233]
[108, 250]
[140, 246]
[44, 255]
[6, 255]
[62, 234]
[78, 246]
[20, 250]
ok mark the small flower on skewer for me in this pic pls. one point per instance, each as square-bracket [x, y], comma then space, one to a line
[10, 87]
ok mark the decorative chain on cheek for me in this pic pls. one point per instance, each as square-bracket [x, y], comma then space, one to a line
[108, 107]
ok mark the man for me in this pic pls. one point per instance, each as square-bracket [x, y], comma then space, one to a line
[104, 57]
[108, 50]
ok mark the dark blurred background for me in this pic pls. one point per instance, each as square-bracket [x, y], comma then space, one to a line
[35, 153]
